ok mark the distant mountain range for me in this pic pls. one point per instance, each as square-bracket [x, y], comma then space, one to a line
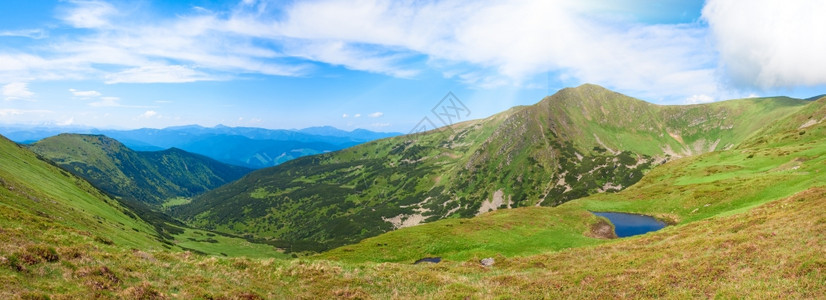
[244, 146]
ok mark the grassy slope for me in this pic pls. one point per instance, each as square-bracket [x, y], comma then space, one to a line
[778, 163]
[773, 250]
[41, 203]
[150, 177]
[545, 154]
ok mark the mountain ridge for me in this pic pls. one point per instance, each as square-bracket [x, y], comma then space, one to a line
[151, 177]
[245, 146]
[562, 148]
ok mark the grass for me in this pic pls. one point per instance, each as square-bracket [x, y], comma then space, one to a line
[775, 250]
[706, 186]
[546, 154]
[35, 195]
[749, 221]
[175, 202]
[514, 232]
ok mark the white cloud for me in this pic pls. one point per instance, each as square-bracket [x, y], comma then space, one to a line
[379, 125]
[492, 43]
[148, 114]
[28, 33]
[357, 116]
[67, 122]
[85, 93]
[106, 102]
[16, 90]
[376, 114]
[7, 112]
[155, 74]
[699, 99]
[89, 14]
[344, 116]
[766, 43]
[483, 43]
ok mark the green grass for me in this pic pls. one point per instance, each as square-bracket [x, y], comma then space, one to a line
[175, 202]
[35, 195]
[149, 177]
[547, 154]
[774, 250]
[513, 232]
[715, 184]
[750, 224]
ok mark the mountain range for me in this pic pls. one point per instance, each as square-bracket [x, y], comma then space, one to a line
[151, 177]
[578, 142]
[739, 182]
[244, 146]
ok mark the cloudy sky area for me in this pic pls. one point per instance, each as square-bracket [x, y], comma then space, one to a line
[382, 65]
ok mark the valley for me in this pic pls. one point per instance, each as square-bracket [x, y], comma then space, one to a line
[742, 211]
[564, 147]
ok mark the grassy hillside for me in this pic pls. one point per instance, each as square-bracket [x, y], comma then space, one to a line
[578, 142]
[749, 221]
[774, 250]
[679, 192]
[42, 204]
[150, 177]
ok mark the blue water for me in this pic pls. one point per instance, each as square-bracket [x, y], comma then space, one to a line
[630, 224]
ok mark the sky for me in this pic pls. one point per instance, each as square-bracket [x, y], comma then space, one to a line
[387, 65]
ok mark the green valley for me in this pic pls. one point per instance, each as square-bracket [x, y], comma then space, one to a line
[151, 177]
[577, 142]
[745, 222]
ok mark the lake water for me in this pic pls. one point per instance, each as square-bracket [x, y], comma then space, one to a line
[631, 224]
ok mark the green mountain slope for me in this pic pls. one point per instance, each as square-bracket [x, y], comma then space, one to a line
[40, 203]
[765, 242]
[150, 177]
[578, 142]
[750, 225]
[785, 159]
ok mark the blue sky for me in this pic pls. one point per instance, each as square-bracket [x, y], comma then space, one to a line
[383, 65]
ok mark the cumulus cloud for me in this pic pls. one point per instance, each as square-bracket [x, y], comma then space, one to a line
[376, 114]
[89, 14]
[767, 44]
[491, 43]
[67, 122]
[16, 90]
[148, 114]
[699, 99]
[84, 93]
[483, 43]
[344, 116]
[357, 116]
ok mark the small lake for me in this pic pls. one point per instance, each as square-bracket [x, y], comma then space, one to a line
[631, 224]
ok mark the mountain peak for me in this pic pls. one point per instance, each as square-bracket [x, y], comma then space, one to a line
[590, 86]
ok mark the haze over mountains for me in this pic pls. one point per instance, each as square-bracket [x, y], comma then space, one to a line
[244, 146]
